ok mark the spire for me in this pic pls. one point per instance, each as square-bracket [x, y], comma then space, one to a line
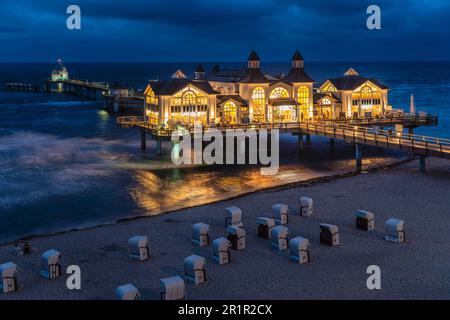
[253, 60]
[199, 72]
[297, 60]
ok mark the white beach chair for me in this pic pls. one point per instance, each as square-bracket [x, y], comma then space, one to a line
[300, 249]
[9, 280]
[265, 226]
[127, 292]
[236, 236]
[279, 235]
[200, 234]
[395, 231]
[173, 288]
[221, 251]
[280, 213]
[233, 217]
[194, 269]
[329, 234]
[138, 248]
[306, 207]
[51, 264]
[365, 220]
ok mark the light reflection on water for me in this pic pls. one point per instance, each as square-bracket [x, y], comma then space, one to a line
[165, 190]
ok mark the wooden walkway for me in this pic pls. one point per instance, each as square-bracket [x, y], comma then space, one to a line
[363, 133]
[103, 86]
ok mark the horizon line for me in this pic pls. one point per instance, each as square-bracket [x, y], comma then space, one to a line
[218, 61]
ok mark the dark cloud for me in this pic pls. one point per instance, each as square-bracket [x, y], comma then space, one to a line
[196, 30]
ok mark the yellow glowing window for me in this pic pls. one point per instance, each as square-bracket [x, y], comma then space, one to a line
[258, 104]
[326, 102]
[366, 92]
[189, 98]
[303, 95]
[279, 93]
[151, 97]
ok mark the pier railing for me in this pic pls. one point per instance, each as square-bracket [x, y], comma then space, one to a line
[419, 144]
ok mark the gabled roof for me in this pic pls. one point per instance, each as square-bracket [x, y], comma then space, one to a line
[333, 96]
[298, 75]
[170, 87]
[351, 80]
[179, 74]
[351, 72]
[254, 76]
[224, 98]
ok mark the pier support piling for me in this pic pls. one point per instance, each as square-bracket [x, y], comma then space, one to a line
[300, 142]
[332, 142]
[158, 147]
[422, 167]
[143, 140]
[358, 156]
[308, 139]
[410, 131]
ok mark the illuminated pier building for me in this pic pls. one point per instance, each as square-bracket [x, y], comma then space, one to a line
[235, 96]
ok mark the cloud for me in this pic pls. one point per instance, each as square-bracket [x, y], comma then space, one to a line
[196, 30]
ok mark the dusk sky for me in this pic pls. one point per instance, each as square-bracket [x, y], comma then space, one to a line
[215, 30]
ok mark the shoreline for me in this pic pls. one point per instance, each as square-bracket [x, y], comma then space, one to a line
[259, 272]
[275, 188]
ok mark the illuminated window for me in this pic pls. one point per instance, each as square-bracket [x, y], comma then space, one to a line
[303, 95]
[279, 93]
[259, 104]
[151, 97]
[303, 101]
[230, 112]
[189, 98]
[326, 102]
[366, 93]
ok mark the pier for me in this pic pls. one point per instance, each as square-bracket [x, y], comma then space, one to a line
[360, 132]
[22, 87]
[87, 90]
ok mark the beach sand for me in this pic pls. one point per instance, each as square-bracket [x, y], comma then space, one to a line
[419, 269]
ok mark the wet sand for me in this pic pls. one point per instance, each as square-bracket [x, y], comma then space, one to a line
[416, 270]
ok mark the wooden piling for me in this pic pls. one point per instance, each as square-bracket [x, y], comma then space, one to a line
[358, 156]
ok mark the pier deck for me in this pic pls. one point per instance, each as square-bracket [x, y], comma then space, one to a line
[360, 132]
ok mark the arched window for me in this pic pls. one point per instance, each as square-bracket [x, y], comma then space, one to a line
[279, 93]
[259, 104]
[366, 96]
[366, 92]
[189, 98]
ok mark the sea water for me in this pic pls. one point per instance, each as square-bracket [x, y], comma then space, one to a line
[66, 164]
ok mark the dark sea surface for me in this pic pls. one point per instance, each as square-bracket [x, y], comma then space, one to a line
[65, 163]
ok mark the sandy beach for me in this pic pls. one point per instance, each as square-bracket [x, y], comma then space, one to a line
[417, 270]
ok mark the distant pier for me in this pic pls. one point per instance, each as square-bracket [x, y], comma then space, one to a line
[23, 87]
[87, 90]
